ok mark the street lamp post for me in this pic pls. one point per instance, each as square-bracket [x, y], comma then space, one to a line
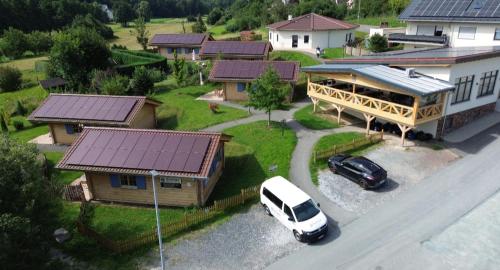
[153, 174]
[359, 8]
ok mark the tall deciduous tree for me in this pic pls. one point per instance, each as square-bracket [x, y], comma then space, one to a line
[141, 32]
[268, 92]
[76, 52]
[123, 12]
[142, 82]
[199, 26]
[178, 69]
[144, 10]
[28, 209]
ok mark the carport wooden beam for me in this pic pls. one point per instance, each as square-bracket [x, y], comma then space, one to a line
[369, 118]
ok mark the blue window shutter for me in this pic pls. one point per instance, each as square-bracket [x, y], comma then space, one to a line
[115, 180]
[140, 181]
[69, 128]
[240, 87]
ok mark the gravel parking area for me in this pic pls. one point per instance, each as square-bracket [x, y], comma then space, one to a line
[249, 240]
[405, 166]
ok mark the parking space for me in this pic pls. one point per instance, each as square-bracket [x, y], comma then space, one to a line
[406, 167]
[249, 240]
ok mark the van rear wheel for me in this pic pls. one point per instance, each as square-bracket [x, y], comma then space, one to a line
[297, 236]
[267, 210]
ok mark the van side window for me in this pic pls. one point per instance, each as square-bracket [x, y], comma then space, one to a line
[288, 211]
[272, 198]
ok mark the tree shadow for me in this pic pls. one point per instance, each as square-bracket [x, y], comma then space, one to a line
[168, 122]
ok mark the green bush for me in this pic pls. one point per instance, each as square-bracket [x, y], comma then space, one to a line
[116, 85]
[142, 82]
[377, 43]
[20, 110]
[214, 16]
[39, 42]
[191, 18]
[90, 22]
[18, 124]
[10, 79]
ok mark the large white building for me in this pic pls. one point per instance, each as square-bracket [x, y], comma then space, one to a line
[450, 23]
[310, 31]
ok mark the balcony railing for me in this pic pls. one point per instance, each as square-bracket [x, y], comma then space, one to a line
[377, 107]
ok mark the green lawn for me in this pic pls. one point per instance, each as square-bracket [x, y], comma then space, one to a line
[28, 133]
[334, 53]
[180, 110]
[329, 141]
[311, 120]
[375, 21]
[250, 153]
[304, 59]
[29, 97]
[63, 177]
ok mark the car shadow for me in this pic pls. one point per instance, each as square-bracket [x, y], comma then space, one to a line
[332, 235]
[389, 186]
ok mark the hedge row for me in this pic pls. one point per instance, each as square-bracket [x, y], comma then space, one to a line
[128, 60]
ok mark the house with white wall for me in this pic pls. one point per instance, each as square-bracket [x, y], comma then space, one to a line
[474, 71]
[307, 32]
[450, 23]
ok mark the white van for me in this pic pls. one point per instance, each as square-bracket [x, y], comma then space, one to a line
[294, 208]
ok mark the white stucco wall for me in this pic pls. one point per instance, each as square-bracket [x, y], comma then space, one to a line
[484, 36]
[282, 40]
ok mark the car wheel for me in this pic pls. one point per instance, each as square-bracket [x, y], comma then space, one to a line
[267, 210]
[297, 236]
[363, 184]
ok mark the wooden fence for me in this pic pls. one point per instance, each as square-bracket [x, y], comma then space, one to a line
[170, 229]
[340, 148]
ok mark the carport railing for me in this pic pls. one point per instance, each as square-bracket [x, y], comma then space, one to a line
[341, 148]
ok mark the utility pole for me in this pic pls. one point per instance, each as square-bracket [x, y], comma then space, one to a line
[359, 8]
[153, 174]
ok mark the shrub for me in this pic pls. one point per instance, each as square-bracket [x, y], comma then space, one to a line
[157, 75]
[90, 22]
[115, 85]
[214, 16]
[142, 82]
[39, 42]
[118, 46]
[20, 110]
[199, 26]
[18, 124]
[10, 79]
[3, 125]
[14, 43]
[377, 43]
[191, 18]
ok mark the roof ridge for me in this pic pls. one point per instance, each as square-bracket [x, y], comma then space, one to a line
[154, 130]
[96, 95]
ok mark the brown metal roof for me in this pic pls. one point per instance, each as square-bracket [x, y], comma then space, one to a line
[247, 71]
[138, 151]
[312, 22]
[90, 109]
[232, 48]
[179, 39]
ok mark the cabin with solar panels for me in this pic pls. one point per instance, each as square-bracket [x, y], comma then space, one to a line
[187, 46]
[236, 75]
[449, 23]
[117, 163]
[238, 50]
[67, 114]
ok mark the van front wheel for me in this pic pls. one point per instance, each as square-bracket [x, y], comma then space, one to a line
[297, 236]
[267, 210]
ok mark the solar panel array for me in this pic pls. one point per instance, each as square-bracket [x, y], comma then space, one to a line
[194, 39]
[82, 107]
[456, 8]
[253, 69]
[235, 47]
[140, 150]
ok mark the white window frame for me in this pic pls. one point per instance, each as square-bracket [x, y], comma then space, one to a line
[496, 36]
[128, 179]
[170, 180]
[469, 36]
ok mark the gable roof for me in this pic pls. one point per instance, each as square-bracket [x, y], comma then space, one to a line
[241, 48]
[420, 85]
[440, 56]
[138, 151]
[179, 39]
[452, 10]
[312, 22]
[247, 71]
[53, 82]
[90, 109]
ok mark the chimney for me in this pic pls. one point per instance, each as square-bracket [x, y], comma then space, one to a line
[410, 72]
[290, 17]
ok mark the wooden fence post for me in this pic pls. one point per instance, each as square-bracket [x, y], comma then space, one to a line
[242, 196]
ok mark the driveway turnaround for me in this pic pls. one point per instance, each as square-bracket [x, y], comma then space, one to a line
[389, 237]
[406, 167]
[249, 240]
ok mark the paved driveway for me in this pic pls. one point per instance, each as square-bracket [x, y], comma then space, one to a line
[406, 167]
[249, 240]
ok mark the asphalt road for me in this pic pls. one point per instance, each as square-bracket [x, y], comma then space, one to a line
[382, 238]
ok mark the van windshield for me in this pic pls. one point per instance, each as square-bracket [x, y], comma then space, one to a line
[305, 210]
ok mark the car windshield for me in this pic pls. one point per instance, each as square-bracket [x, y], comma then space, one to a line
[305, 210]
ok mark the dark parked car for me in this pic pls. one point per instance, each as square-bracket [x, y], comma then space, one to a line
[358, 169]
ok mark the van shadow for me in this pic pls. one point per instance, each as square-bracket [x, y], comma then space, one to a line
[333, 233]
